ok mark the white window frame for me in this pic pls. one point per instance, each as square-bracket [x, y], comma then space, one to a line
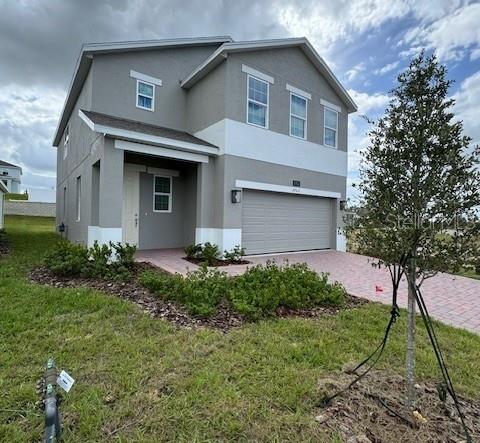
[298, 116]
[66, 139]
[152, 109]
[328, 127]
[163, 193]
[79, 197]
[259, 103]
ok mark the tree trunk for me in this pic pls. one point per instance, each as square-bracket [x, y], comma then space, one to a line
[410, 362]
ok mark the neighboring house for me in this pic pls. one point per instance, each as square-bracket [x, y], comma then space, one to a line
[3, 191]
[172, 142]
[10, 176]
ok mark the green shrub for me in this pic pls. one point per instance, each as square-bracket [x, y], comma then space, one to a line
[193, 251]
[210, 253]
[67, 259]
[262, 289]
[113, 261]
[477, 266]
[255, 294]
[200, 291]
[235, 255]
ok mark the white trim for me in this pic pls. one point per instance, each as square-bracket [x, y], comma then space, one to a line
[285, 189]
[145, 78]
[298, 116]
[341, 243]
[134, 167]
[299, 92]
[248, 141]
[142, 137]
[226, 239]
[169, 194]
[78, 198]
[259, 103]
[255, 73]
[159, 151]
[329, 127]
[330, 105]
[152, 109]
[163, 172]
[103, 235]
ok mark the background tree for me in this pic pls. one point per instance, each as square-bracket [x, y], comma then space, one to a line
[420, 187]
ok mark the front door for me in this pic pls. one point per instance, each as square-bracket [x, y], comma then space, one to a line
[130, 213]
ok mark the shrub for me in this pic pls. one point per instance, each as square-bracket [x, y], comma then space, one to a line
[200, 291]
[235, 255]
[67, 259]
[193, 251]
[210, 253]
[106, 261]
[262, 289]
[477, 266]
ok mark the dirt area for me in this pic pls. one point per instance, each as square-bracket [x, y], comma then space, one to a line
[4, 244]
[224, 319]
[374, 411]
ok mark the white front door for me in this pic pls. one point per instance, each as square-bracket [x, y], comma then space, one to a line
[130, 213]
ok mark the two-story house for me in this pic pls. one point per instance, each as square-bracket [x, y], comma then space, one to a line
[167, 143]
[10, 175]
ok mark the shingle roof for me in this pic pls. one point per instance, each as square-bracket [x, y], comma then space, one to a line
[144, 128]
[2, 163]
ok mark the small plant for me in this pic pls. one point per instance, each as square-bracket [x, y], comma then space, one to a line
[193, 251]
[477, 266]
[235, 255]
[67, 259]
[124, 254]
[99, 258]
[210, 253]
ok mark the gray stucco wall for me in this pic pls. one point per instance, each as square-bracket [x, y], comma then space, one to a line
[114, 91]
[168, 230]
[286, 66]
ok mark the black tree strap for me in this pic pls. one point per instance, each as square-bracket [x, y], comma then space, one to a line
[396, 276]
[438, 353]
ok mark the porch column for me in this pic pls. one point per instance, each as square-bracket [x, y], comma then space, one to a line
[110, 201]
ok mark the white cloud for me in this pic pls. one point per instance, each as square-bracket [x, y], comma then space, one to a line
[467, 106]
[450, 36]
[369, 102]
[352, 73]
[387, 68]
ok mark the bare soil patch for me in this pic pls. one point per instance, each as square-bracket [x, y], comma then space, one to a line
[374, 411]
[4, 244]
[224, 319]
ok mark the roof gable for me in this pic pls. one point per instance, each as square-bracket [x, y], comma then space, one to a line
[233, 47]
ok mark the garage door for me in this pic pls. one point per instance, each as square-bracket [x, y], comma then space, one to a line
[275, 222]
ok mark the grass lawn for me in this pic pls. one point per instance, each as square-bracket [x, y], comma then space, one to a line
[139, 379]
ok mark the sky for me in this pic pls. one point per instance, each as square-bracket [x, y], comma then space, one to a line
[365, 42]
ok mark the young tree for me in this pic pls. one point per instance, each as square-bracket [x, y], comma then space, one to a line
[420, 188]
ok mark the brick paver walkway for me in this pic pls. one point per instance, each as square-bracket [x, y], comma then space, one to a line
[451, 299]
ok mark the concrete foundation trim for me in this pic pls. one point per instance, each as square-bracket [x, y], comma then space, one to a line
[103, 235]
[226, 239]
[341, 242]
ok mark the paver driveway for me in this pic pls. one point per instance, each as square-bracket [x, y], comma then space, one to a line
[452, 299]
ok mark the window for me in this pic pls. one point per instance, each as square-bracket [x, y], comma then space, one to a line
[145, 95]
[79, 196]
[298, 116]
[257, 108]
[4, 172]
[162, 194]
[66, 139]
[331, 128]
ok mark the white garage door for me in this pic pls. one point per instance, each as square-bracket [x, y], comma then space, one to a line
[275, 222]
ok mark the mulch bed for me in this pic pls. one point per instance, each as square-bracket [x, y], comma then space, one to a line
[374, 411]
[216, 263]
[224, 319]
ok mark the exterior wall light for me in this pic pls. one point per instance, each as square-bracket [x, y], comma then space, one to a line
[236, 195]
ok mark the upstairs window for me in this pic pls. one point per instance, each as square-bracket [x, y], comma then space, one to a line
[257, 108]
[331, 128]
[66, 139]
[145, 95]
[162, 194]
[298, 116]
